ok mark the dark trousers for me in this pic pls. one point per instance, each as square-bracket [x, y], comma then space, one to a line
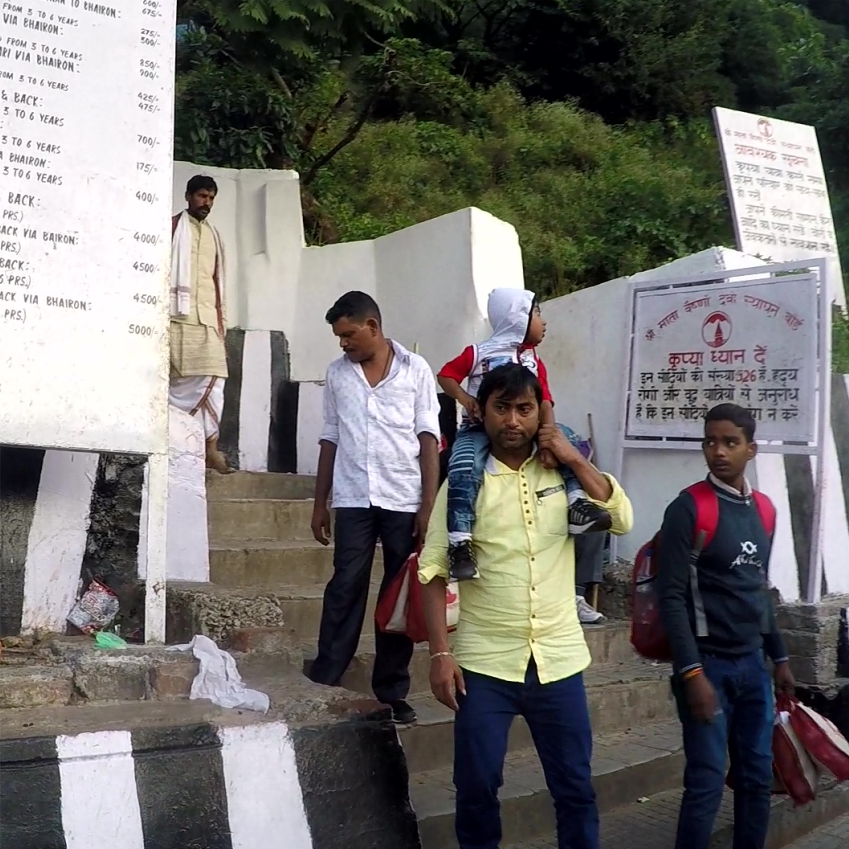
[559, 722]
[744, 731]
[356, 533]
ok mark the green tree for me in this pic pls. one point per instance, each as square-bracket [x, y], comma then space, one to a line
[590, 202]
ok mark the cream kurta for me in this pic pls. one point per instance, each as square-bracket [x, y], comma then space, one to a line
[196, 346]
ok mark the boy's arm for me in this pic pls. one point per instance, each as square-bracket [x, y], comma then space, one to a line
[427, 430]
[776, 650]
[673, 582]
[451, 376]
[328, 441]
[546, 411]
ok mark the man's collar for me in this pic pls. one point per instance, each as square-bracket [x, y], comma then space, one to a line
[402, 355]
[724, 487]
[198, 221]
[400, 351]
[496, 467]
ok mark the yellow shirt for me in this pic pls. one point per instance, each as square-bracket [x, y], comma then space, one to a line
[523, 603]
[196, 345]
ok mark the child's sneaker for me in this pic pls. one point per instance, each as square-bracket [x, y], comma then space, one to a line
[462, 563]
[585, 517]
[587, 614]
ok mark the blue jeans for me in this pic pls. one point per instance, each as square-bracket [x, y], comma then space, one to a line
[465, 476]
[559, 721]
[744, 731]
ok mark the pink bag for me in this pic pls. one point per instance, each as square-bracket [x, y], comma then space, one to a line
[823, 741]
[790, 762]
[400, 609]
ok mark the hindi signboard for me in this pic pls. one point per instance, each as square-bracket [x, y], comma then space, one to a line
[776, 183]
[753, 342]
[86, 122]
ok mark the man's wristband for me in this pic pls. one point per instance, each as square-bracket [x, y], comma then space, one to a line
[437, 654]
[692, 673]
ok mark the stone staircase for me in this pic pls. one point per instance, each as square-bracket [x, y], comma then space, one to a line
[265, 597]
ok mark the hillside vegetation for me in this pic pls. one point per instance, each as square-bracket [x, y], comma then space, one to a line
[584, 123]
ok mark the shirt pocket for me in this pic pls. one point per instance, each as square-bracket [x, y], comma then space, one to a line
[396, 408]
[553, 510]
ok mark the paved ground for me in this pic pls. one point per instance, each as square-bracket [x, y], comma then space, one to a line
[835, 835]
[651, 826]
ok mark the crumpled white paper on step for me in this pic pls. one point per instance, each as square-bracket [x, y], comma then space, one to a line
[218, 679]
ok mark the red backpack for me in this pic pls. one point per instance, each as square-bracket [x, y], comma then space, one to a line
[647, 635]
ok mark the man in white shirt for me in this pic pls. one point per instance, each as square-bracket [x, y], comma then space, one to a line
[380, 456]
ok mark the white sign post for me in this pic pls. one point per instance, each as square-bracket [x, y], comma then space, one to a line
[777, 189]
[86, 123]
[757, 337]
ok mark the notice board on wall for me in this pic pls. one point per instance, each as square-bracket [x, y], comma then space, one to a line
[86, 126]
[748, 342]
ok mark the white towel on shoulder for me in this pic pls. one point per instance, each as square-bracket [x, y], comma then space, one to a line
[181, 267]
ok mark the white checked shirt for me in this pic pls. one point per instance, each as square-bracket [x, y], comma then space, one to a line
[376, 431]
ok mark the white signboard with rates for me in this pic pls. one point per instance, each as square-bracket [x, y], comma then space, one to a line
[86, 123]
[750, 342]
[86, 94]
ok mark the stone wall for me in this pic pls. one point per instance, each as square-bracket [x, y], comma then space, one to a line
[812, 633]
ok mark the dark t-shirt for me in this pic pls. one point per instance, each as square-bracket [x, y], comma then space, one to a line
[732, 582]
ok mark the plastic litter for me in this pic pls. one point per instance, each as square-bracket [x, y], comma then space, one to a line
[95, 610]
[108, 640]
[218, 679]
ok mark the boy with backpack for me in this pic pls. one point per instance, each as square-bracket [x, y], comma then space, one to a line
[518, 328]
[712, 558]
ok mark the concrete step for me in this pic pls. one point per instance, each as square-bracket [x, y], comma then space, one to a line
[269, 563]
[620, 697]
[79, 673]
[218, 612]
[258, 485]
[608, 644]
[625, 767]
[293, 698]
[259, 519]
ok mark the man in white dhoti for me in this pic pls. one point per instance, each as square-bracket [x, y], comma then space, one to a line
[198, 356]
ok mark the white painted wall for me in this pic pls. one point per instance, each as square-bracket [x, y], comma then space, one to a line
[310, 423]
[187, 534]
[431, 280]
[57, 539]
[326, 274]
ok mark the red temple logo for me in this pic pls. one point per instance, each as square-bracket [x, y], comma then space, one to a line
[716, 329]
[765, 128]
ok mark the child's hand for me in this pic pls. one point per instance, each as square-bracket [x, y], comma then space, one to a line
[471, 406]
[547, 458]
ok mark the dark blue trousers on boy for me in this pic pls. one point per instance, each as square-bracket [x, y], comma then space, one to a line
[559, 722]
[742, 730]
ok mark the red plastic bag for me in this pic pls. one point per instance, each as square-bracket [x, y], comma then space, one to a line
[791, 762]
[824, 743]
[400, 610]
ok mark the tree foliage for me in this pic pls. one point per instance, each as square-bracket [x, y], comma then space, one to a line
[585, 123]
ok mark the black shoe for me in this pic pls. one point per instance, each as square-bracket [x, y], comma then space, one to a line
[402, 713]
[462, 564]
[587, 518]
